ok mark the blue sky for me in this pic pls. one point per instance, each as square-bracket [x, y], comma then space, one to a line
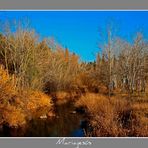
[79, 30]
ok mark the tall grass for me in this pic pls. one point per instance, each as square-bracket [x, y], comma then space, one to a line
[115, 117]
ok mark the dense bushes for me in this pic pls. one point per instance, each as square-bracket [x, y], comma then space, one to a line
[16, 107]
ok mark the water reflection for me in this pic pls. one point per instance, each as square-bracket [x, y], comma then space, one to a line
[78, 133]
[66, 123]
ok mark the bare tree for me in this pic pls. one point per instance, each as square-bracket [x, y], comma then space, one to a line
[107, 71]
[131, 64]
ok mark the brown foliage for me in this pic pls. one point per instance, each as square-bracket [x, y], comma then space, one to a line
[114, 117]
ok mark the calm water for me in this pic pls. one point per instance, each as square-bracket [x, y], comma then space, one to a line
[66, 124]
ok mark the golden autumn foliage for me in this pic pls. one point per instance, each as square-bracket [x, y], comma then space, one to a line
[62, 97]
[86, 82]
[28, 106]
[34, 103]
[7, 85]
[9, 114]
[38, 102]
[14, 116]
[19, 106]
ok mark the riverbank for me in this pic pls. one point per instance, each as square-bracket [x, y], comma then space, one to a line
[88, 115]
[67, 122]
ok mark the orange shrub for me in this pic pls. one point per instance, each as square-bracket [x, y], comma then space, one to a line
[62, 97]
[9, 114]
[38, 103]
[87, 81]
[18, 106]
[7, 86]
[14, 116]
[25, 106]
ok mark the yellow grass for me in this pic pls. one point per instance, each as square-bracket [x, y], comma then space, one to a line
[140, 106]
[114, 117]
[94, 102]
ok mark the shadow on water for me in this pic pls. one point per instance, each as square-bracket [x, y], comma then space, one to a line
[66, 123]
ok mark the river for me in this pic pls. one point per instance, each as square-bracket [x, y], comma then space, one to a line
[67, 123]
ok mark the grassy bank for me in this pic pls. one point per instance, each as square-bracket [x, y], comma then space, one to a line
[115, 116]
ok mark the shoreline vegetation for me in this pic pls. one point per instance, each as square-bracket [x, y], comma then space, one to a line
[36, 76]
